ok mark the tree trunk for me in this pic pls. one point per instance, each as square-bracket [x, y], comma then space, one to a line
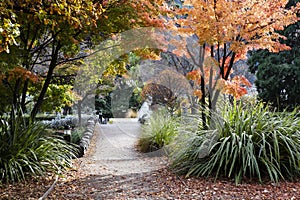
[79, 112]
[15, 100]
[205, 118]
[23, 97]
[52, 66]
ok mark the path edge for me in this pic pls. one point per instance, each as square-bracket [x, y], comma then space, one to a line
[87, 136]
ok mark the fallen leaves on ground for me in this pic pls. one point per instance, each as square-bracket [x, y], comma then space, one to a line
[159, 184]
[30, 189]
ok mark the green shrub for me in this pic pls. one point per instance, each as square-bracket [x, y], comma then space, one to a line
[27, 150]
[250, 142]
[160, 131]
[77, 134]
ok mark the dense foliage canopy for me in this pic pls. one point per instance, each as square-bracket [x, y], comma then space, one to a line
[37, 36]
[278, 74]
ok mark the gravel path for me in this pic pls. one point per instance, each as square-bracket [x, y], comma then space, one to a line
[113, 168]
[114, 150]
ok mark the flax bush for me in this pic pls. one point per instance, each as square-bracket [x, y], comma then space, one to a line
[249, 142]
[26, 150]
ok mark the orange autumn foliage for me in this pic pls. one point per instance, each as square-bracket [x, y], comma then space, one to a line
[19, 73]
[195, 76]
[235, 87]
[198, 93]
[246, 24]
[227, 29]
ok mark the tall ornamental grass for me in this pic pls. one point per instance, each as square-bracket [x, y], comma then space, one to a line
[250, 142]
[27, 150]
[159, 132]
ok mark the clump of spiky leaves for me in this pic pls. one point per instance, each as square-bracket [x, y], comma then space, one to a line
[250, 142]
[26, 150]
[158, 132]
[76, 135]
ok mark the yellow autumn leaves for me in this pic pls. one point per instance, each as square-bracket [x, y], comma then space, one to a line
[57, 14]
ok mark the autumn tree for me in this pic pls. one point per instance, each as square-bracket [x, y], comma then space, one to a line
[10, 81]
[41, 35]
[50, 35]
[225, 31]
[167, 88]
[9, 29]
[278, 74]
[159, 94]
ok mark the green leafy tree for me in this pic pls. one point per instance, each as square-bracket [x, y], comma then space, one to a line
[278, 74]
[41, 35]
[56, 98]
